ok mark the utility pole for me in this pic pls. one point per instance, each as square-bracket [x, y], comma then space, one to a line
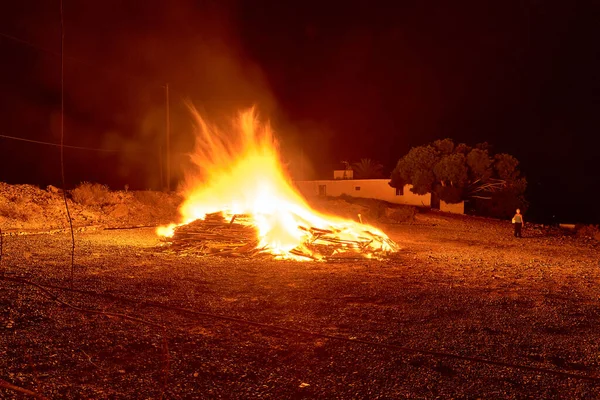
[302, 177]
[161, 186]
[168, 138]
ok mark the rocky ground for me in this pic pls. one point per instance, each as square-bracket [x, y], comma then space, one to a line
[464, 310]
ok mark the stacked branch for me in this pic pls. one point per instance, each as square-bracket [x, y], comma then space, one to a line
[326, 244]
[238, 237]
[216, 235]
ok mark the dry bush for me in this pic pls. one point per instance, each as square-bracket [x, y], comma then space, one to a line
[338, 207]
[401, 214]
[377, 210]
[15, 211]
[149, 198]
[93, 194]
[382, 211]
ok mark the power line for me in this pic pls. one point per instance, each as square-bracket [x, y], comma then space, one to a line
[43, 49]
[25, 42]
[68, 146]
[75, 59]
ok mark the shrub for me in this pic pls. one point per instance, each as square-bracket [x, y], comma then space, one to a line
[92, 194]
[377, 211]
[14, 211]
[401, 214]
[382, 211]
[149, 198]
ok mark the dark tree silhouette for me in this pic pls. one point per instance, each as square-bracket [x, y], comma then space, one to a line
[367, 169]
[460, 172]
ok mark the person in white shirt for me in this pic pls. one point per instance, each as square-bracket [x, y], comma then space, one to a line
[518, 222]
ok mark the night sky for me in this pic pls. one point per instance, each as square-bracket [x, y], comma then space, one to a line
[339, 80]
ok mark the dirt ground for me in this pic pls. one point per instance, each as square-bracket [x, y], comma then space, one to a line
[28, 208]
[464, 310]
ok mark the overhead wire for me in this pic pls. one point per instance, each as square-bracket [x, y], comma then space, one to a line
[66, 146]
[28, 43]
[69, 146]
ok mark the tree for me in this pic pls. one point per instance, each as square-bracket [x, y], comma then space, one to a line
[445, 146]
[451, 177]
[506, 166]
[461, 172]
[479, 164]
[367, 169]
[415, 169]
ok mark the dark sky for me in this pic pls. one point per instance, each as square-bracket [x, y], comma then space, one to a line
[340, 80]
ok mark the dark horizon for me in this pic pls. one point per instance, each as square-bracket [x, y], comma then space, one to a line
[338, 83]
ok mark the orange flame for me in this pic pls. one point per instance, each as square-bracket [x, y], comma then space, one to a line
[239, 172]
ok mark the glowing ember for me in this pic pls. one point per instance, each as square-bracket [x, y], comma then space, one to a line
[239, 178]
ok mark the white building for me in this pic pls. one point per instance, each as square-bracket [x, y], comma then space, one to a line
[372, 189]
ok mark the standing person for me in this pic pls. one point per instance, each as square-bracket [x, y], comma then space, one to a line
[518, 222]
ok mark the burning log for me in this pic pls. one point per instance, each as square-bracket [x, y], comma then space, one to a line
[238, 237]
[215, 235]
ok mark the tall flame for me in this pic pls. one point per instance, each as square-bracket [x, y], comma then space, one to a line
[238, 171]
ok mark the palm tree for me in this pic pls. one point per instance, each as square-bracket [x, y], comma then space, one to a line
[367, 169]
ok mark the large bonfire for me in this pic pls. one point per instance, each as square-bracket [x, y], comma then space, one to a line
[240, 197]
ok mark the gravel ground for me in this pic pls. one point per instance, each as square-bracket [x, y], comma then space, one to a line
[244, 328]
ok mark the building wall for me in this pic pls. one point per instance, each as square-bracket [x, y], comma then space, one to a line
[367, 188]
[458, 208]
[343, 174]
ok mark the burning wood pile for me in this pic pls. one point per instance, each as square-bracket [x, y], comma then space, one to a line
[238, 170]
[216, 235]
[238, 237]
